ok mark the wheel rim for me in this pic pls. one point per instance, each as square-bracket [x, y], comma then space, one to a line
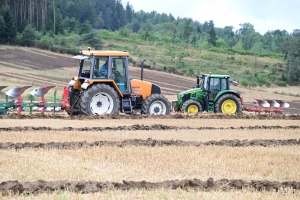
[192, 109]
[229, 107]
[101, 103]
[157, 108]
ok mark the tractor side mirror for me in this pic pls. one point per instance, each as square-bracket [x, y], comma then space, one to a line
[234, 82]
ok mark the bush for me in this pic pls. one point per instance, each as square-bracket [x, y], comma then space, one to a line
[28, 36]
[45, 42]
[281, 83]
[244, 83]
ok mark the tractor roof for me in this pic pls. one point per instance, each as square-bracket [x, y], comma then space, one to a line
[217, 75]
[104, 53]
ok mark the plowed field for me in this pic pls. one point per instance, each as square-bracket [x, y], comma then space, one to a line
[205, 156]
[30, 66]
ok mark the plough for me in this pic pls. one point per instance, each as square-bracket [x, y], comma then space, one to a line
[267, 106]
[19, 104]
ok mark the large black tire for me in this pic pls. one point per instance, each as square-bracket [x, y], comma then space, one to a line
[72, 98]
[191, 106]
[156, 104]
[100, 99]
[228, 104]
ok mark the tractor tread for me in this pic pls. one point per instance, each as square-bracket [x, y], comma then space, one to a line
[93, 90]
[187, 103]
[218, 105]
[150, 99]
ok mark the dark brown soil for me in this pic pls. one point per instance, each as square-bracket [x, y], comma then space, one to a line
[35, 61]
[42, 186]
[149, 143]
[137, 116]
[138, 127]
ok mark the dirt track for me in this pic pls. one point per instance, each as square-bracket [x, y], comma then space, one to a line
[149, 143]
[91, 187]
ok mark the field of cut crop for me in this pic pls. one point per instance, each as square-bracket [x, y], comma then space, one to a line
[150, 157]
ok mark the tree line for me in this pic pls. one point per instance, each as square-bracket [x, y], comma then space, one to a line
[35, 22]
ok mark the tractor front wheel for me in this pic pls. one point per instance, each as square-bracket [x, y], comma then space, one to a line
[156, 104]
[100, 99]
[228, 104]
[191, 106]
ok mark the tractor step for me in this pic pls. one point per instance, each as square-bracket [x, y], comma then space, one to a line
[126, 106]
[211, 107]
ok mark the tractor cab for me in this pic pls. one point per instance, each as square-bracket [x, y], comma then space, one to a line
[112, 66]
[212, 93]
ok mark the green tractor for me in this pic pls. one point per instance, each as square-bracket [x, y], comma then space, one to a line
[212, 93]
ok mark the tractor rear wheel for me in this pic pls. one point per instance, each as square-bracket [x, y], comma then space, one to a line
[191, 106]
[228, 104]
[156, 104]
[100, 99]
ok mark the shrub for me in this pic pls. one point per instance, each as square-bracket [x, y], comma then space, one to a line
[281, 83]
[28, 36]
[244, 83]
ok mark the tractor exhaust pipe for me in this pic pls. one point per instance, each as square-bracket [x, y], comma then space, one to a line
[142, 70]
[198, 81]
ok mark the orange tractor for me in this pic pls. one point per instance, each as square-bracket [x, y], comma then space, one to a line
[104, 86]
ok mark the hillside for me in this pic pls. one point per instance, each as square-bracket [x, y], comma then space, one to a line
[35, 67]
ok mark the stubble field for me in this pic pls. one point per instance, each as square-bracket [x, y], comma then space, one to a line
[144, 157]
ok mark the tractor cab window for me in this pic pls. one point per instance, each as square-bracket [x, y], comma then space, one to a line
[214, 84]
[119, 72]
[85, 68]
[223, 84]
[100, 68]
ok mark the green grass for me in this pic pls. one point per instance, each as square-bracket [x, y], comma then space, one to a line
[189, 60]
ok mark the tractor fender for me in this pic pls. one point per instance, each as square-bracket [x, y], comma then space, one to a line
[71, 83]
[221, 93]
[87, 83]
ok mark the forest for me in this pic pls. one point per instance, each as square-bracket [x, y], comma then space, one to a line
[65, 25]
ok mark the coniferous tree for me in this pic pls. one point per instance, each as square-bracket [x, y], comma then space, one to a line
[292, 51]
[10, 31]
[212, 38]
[129, 13]
[2, 28]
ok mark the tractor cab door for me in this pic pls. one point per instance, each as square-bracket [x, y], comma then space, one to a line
[120, 74]
[214, 88]
[100, 67]
[216, 85]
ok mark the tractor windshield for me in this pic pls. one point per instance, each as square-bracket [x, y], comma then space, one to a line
[204, 84]
[85, 67]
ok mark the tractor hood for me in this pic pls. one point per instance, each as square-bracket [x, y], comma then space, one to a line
[191, 91]
[183, 96]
